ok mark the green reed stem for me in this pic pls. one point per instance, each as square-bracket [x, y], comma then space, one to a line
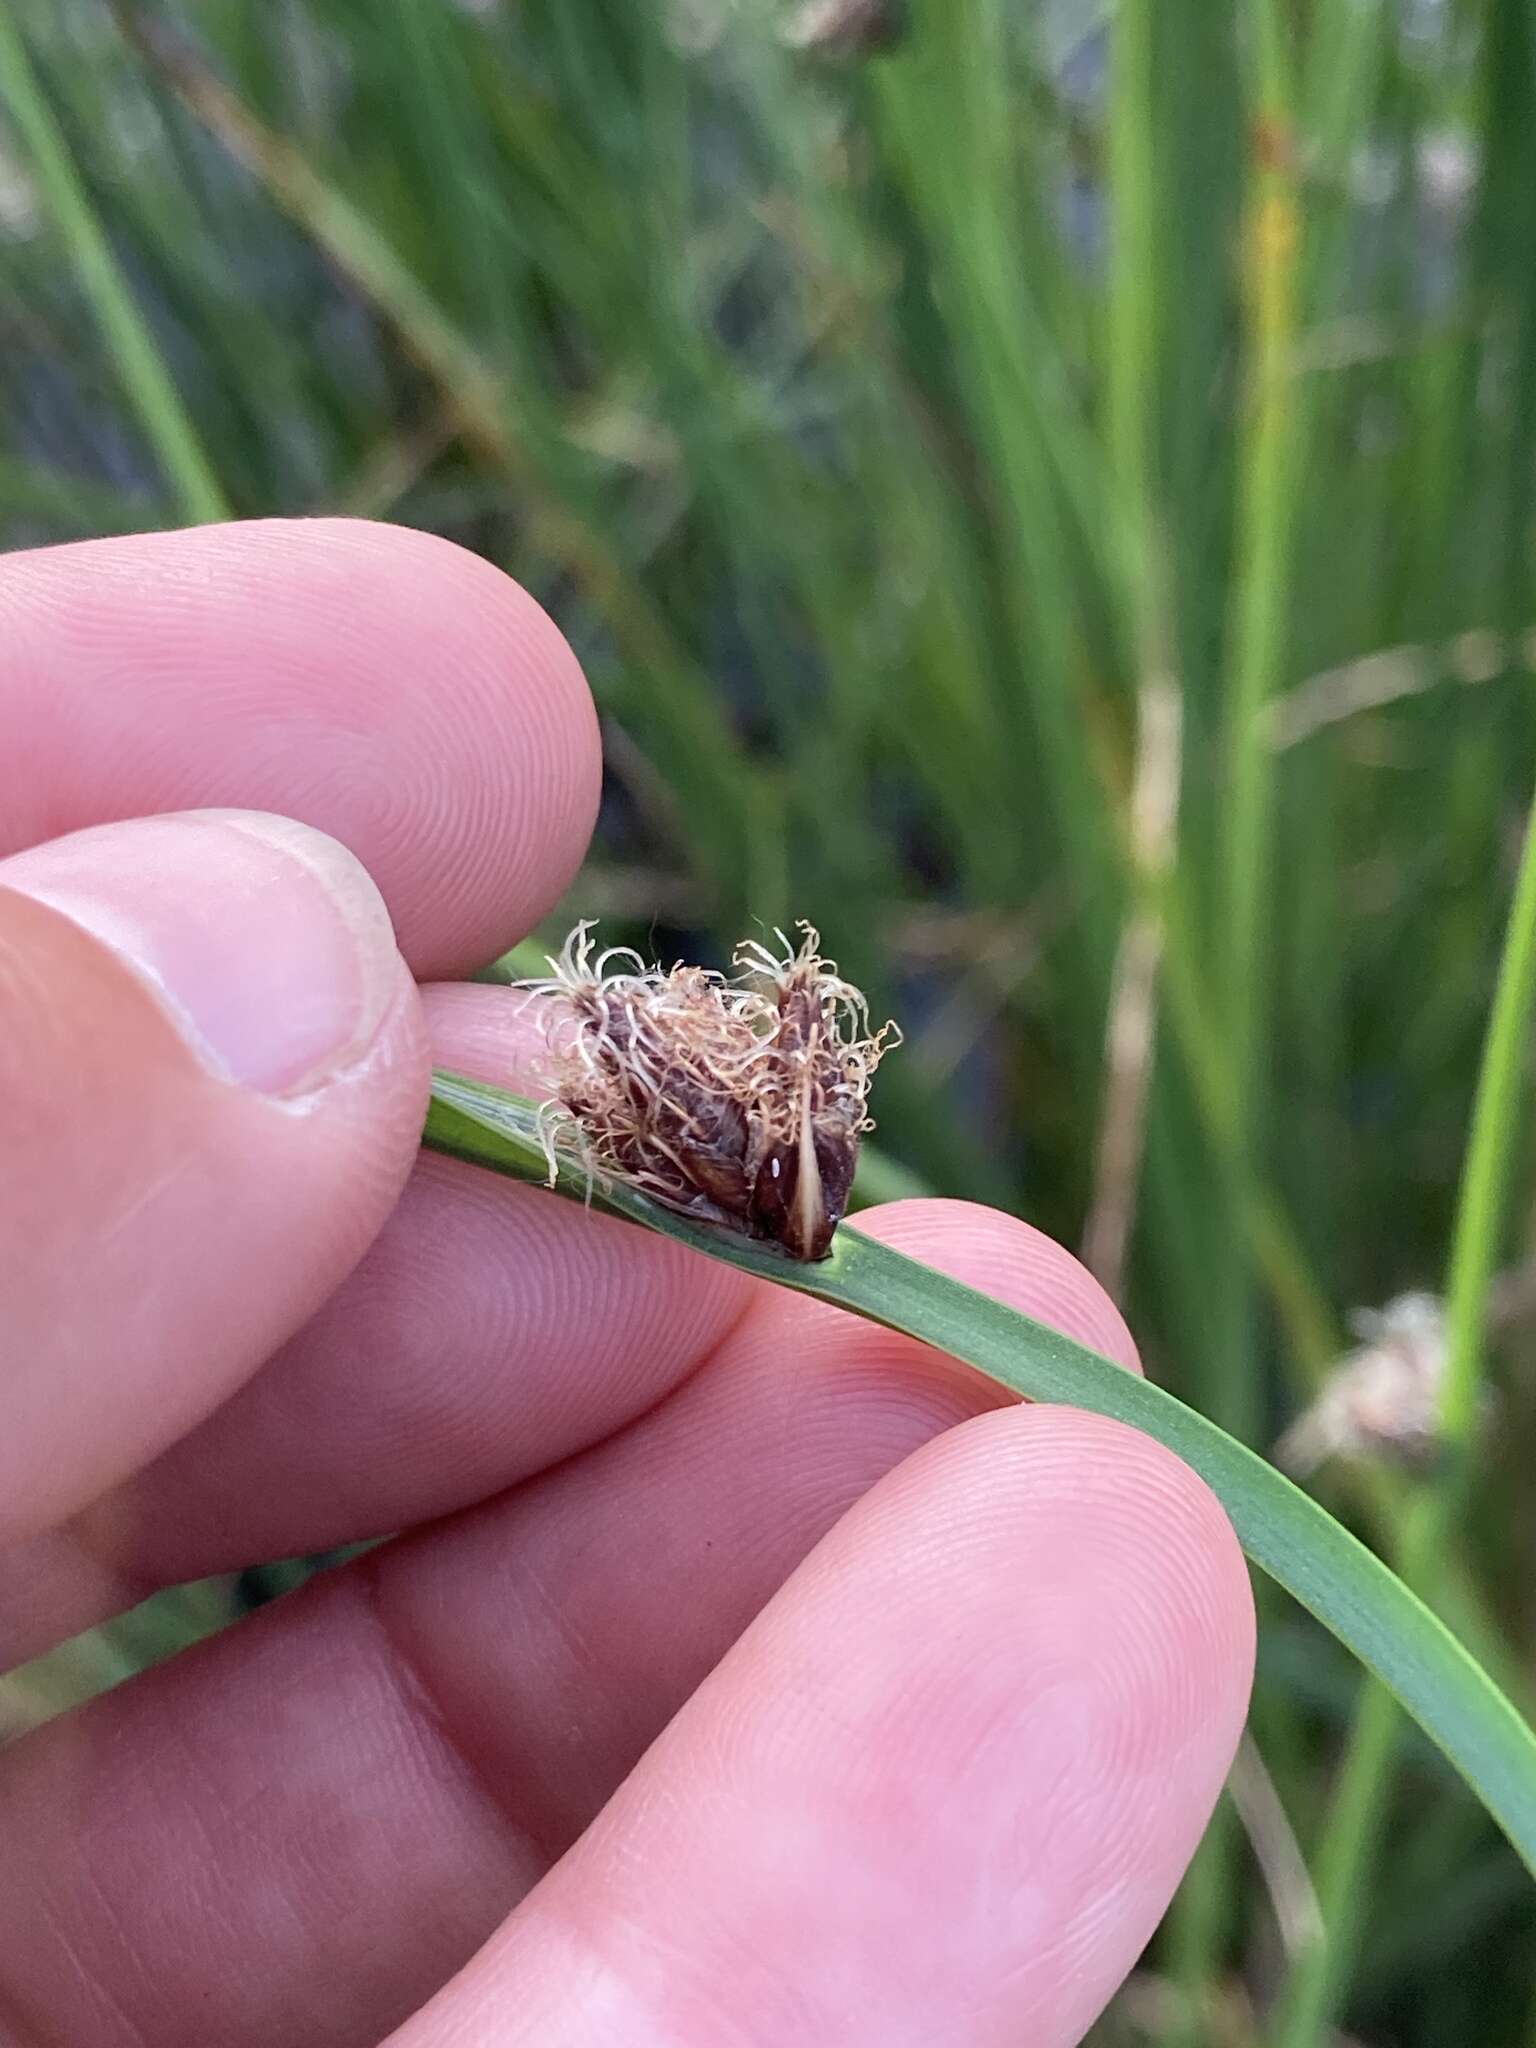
[144, 377]
[1282, 1529]
[1353, 1828]
[1272, 239]
[1245, 845]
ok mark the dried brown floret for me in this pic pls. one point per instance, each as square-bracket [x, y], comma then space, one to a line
[737, 1100]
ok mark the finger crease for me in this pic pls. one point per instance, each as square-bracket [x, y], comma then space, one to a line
[426, 1710]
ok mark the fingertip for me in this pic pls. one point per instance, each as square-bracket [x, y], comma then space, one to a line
[211, 1088]
[1079, 1495]
[267, 942]
[1009, 1259]
[380, 684]
[1042, 1626]
[523, 696]
[485, 1033]
[482, 685]
[1012, 1679]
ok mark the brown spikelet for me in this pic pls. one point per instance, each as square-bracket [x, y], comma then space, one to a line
[736, 1100]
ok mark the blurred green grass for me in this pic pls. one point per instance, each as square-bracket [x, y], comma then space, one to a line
[1022, 498]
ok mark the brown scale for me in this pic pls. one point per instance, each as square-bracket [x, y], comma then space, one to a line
[801, 1187]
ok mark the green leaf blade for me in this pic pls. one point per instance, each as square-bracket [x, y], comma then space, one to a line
[1282, 1530]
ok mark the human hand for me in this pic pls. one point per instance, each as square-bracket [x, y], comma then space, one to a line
[749, 1675]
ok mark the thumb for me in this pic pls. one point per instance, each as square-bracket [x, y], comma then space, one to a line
[212, 1079]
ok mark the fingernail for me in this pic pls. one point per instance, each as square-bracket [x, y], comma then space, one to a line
[267, 941]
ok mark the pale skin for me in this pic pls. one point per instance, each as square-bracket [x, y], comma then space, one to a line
[746, 1676]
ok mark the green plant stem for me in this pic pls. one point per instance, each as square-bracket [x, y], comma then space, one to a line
[1353, 1829]
[144, 377]
[1266, 513]
[1200, 1912]
[1259, 630]
[1245, 843]
[1282, 1529]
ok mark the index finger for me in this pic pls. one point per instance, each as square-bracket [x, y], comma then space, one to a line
[383, 685]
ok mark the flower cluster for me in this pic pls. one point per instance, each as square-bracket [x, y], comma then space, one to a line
[1382, 1398]
[739, 1100]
